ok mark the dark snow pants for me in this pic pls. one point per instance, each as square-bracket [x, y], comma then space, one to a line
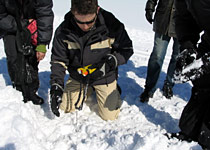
[195, 118]
[16, 64]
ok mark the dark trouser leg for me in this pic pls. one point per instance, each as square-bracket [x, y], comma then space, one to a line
[172, 63]
[204, 135]
[168, 83]
[11, 53]
[32, 81]
[156, 61]
[193, 115]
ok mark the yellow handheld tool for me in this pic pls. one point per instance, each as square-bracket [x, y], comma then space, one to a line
[86, 70]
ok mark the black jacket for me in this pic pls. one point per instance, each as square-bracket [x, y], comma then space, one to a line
[164, 16]
[72, 48]
[192, 18]
[41, 10]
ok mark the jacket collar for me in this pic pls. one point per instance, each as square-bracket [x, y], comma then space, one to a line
[69, 24]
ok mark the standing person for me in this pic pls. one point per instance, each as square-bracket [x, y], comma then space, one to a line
[90, 43]
[27, 26]
[163, 27]
[191, 22]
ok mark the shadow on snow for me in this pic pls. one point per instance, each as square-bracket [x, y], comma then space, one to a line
[131, 91]
[9, 146]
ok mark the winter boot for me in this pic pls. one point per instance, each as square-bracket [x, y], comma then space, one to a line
[180, 136]
[167, 90]
[36, 100]
[32, 96]
[144, 97]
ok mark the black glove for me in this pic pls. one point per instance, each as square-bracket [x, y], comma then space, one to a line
[185, 58]
[194, 71]
[206, 63]
[56, 93]
[23, 40]
[107, 64]
[149, 15]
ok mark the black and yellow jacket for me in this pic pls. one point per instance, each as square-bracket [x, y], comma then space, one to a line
[73, 48]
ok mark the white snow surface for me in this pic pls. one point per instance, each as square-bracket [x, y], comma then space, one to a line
[24, 126]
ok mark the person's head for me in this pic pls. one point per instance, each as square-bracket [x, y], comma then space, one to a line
[85, 13]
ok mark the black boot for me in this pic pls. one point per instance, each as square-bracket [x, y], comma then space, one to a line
[36, 100]
[167, 90]
[16, 86]
[180, 136]
[144, 97]
[32, 96]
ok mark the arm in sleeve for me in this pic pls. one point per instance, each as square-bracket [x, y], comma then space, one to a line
[7, 21]
[150, 5]
[59, 61]
[186, 27]
[45, 16]
[122, 47]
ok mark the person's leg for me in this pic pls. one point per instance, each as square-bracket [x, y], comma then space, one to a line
[154, 66]
[204, 136]
[109, 101]
[33, 87]
[71, 95]
[192, 121]
[168, 83]
[11, 53]
[172, 63]
[193, 114]
[156, 61]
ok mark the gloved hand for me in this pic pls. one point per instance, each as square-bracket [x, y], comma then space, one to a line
[194, 71]
[23, 40]
[185, 58]
[149, 16]
[56, 93]
[206, 63]
[190, 75]
[107, 64]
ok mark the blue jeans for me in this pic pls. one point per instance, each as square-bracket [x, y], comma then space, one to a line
[156, 61]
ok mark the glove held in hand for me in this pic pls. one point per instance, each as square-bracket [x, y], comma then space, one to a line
[185, 58]
[149, 15]
[56, 93]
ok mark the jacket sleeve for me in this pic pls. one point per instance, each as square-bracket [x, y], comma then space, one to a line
[7, 21]
[59, 60]
[45, 16]
[186, 27]
[122, 47]
[150, 5]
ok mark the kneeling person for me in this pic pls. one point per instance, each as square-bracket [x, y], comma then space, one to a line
[90, 43]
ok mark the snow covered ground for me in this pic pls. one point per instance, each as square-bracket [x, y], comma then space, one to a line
[139, 126]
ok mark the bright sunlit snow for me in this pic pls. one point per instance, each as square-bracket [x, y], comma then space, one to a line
[139, 126]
